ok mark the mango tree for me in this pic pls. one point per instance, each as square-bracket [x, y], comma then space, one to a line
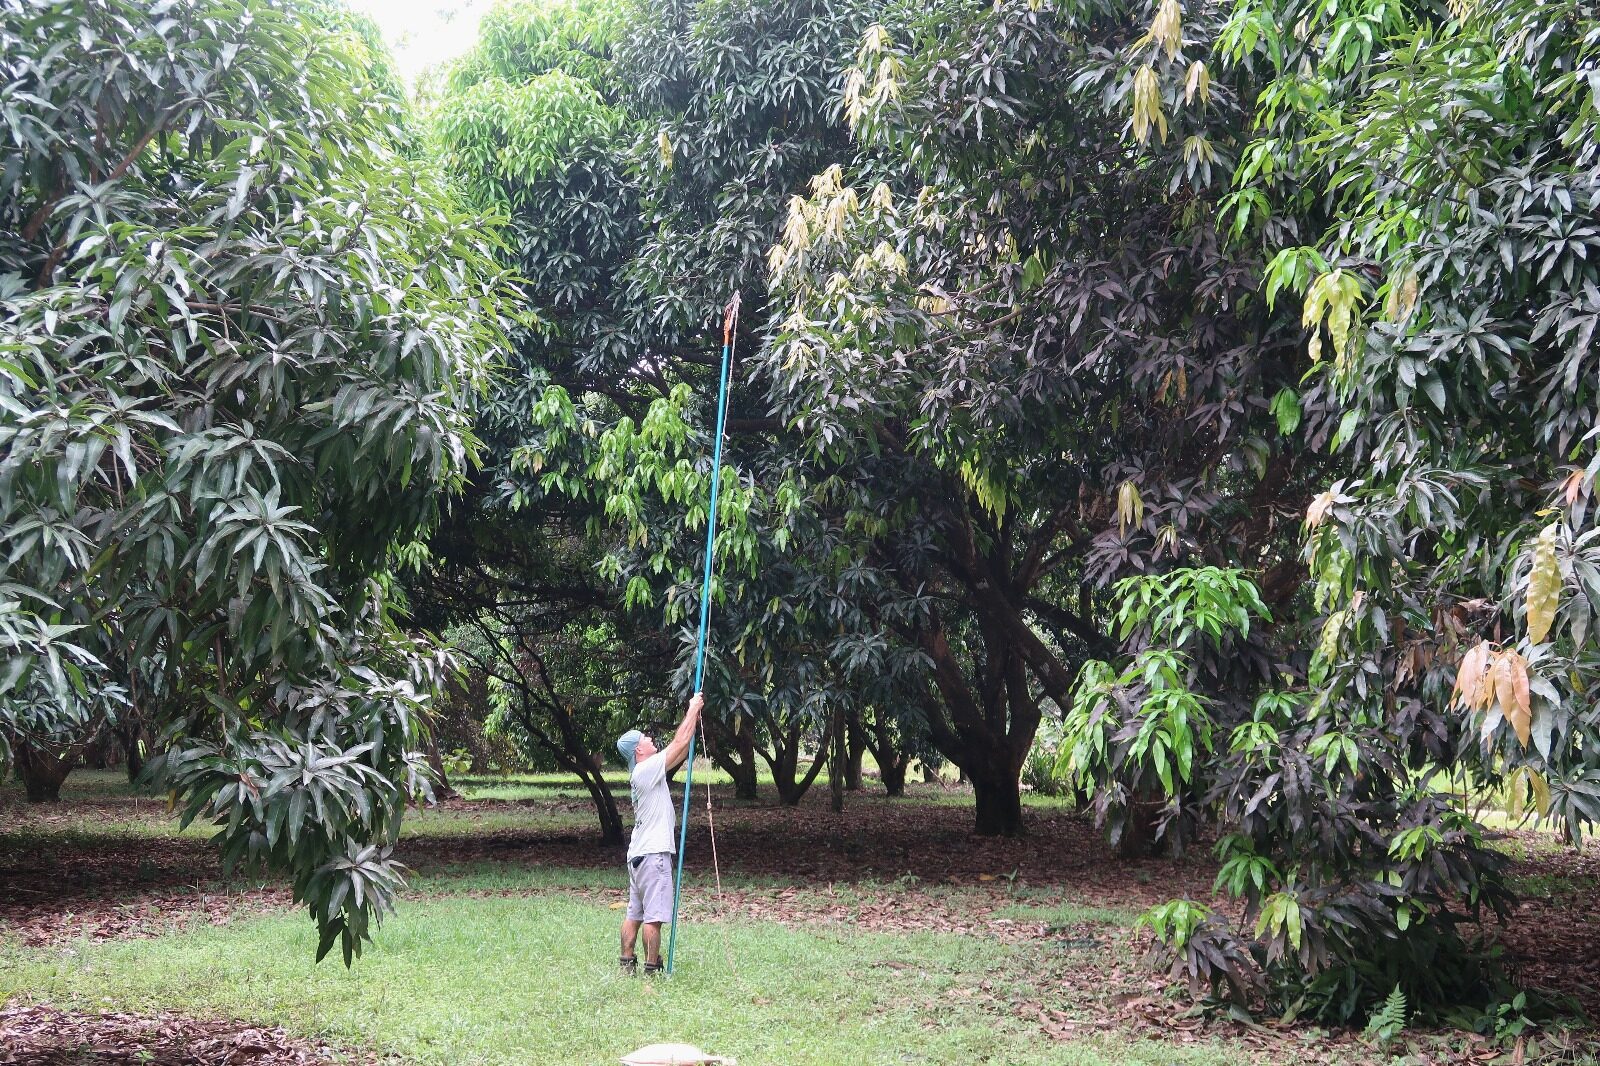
[240, 335]
[1021, 346]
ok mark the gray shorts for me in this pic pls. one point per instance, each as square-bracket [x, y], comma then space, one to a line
[650, 888]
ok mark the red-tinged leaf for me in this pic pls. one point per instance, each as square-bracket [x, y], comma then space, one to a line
[1572, 486]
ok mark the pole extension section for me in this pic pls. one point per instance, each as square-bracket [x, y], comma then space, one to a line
[730, 325]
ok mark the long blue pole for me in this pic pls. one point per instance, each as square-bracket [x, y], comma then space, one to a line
[730, 319]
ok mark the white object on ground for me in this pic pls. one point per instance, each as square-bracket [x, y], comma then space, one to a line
[674, 1055]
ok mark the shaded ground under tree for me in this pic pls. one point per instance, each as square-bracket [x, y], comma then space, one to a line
[105, 863]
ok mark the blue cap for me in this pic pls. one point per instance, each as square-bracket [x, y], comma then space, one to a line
[627, 744]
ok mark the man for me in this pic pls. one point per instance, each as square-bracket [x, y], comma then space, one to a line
[651, 849]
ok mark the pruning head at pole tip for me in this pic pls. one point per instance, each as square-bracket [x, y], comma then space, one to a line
[730, 315]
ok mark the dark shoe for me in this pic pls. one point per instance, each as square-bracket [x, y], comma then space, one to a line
[630, 965]
[651, 967]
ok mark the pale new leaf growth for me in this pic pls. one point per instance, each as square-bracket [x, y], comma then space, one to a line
[1147, 112]
[1198, 150]
[796, 231]
[1167, 28]
[1130, 506]
[855, 80]
[828, 182]
[874, 40]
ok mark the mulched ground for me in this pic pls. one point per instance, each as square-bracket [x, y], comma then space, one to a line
[883, 866]
[45, 1036]
[1553, 941]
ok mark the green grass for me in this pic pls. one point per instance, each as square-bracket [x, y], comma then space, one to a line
[438, 824]
[458, 878]
[479, 980]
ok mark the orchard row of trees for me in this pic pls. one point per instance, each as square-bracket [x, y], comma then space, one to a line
[1217, 382]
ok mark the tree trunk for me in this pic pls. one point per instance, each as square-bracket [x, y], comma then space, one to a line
[43, 770]
[1138, 839]
[785, 763]
[999, 797]
[731, 748]
[838, 763]
[436, 763]
[930, 775]
[570, 754]
[891, 760]
[605, 806]
[100, 753]
[855, 750]
[985, 728]
[131, 733]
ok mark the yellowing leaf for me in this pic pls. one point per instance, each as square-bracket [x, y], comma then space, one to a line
[1544, 586]
[1541, 792]
[1197, 84]
[664, 143]
[1527, 778]
[1402, 299]
[1333, 296]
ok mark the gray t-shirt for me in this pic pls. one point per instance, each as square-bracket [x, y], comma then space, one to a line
[653, 821]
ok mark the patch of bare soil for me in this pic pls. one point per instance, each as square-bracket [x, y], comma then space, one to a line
[46, 1036]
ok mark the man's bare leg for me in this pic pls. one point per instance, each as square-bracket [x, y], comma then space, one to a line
[652, 943]
[630, 937]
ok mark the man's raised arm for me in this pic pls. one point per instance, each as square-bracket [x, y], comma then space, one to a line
[679, 747]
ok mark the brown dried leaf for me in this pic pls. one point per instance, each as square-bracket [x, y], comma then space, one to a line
[1319, 509]
[1511, 689]
[1471, 690]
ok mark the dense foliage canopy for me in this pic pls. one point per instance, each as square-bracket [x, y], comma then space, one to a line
[241, 328]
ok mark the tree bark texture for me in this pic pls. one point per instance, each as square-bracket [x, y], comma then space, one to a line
[855, 749]
[784, 761]
[838, 762]
[43, 769]
[886, 752]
